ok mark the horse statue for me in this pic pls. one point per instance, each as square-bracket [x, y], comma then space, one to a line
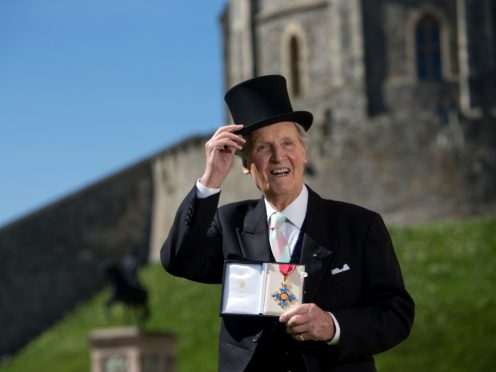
[126, 288]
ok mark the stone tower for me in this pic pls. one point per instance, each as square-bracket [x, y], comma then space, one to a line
[384, 53]
[403, 94]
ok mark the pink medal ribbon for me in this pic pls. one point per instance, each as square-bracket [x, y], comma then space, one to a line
[286, 269]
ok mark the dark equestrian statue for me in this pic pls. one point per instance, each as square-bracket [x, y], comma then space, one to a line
[126, 288]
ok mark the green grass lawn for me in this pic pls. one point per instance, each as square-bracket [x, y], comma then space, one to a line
[190, 310]
[449, 269]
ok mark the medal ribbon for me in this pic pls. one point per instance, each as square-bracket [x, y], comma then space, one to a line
[286, 269]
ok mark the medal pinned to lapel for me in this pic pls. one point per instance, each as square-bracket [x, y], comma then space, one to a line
[284, 297]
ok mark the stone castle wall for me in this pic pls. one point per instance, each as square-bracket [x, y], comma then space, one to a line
[51, 260]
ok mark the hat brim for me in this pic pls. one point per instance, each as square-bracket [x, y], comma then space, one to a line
[304, 118]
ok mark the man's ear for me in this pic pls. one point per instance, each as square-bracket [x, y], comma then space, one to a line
[305, 157]
[246, 169]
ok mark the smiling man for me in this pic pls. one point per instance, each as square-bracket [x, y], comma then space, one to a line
[354, 301]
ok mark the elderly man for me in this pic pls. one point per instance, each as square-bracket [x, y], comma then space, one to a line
[354, 300]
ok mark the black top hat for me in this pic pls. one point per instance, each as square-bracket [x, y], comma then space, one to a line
[262, 101]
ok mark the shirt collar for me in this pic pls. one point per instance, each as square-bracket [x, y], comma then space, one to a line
[294, 212]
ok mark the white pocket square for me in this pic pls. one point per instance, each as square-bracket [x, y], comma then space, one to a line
[338, 270]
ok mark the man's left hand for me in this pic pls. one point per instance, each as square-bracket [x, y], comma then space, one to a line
[308, 322]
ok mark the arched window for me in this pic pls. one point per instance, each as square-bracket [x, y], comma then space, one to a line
[294, 55]
[295, 67]
[428, 44]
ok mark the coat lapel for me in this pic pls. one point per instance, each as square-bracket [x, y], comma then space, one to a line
[254, 235]
[317, 249]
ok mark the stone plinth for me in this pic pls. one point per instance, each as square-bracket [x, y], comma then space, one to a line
[130, 349]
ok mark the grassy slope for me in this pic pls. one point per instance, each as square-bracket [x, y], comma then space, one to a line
[449, 269]
[187, 309]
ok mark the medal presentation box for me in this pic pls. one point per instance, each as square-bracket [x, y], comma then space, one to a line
[261, 288]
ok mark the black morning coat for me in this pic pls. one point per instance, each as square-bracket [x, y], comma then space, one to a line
[369, 301]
